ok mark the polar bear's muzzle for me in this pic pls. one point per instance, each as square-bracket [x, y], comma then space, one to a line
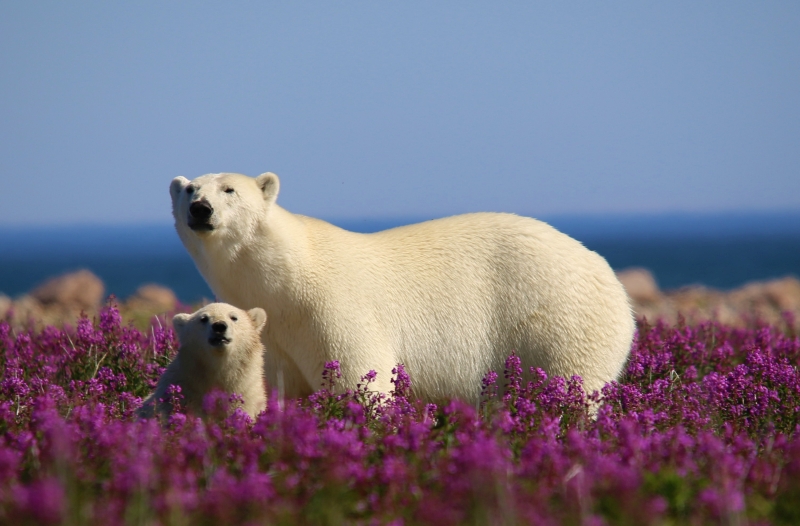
[200, 215]
[218, 330]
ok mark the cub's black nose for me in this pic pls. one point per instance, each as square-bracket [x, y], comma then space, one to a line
[200, 210]
[219, 327]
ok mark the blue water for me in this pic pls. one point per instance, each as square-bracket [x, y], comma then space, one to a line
[722, 251]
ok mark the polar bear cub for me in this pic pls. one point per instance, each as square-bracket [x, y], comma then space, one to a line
[449, 298]
[220, 348]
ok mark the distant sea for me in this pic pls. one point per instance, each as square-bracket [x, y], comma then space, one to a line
[717, 250]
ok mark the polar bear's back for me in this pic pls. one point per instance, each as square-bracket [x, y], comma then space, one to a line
[454, 297]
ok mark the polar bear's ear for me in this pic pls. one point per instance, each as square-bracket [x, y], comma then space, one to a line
[259, 317]
[176, 186]
[179, 321]
[269, 185]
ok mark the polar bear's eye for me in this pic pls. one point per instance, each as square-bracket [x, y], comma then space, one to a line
[190, 190]
[204, 319]
[234, 318]
[229, 190]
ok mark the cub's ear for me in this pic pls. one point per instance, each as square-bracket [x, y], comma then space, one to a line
[269, 185]
[259, 317]
[179, 322]
[176, 187]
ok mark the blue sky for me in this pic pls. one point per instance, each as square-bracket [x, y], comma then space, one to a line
[406, 109]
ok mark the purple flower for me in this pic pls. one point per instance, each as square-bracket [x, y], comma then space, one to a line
[42, 502]
[702, 427]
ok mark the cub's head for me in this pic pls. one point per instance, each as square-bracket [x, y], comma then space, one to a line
[220, 205]
[220, 334]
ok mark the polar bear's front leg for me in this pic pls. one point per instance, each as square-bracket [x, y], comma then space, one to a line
[283, 375]
[354, 371]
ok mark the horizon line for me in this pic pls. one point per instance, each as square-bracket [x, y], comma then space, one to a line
[414, 218]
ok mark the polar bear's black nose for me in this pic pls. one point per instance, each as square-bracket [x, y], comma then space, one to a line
[219, 327]
[200, 210]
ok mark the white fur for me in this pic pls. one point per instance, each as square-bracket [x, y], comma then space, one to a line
[200, 366]
[449, 298]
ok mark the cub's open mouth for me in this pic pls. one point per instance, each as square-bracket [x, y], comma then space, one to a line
[200, 225]
[218, 340]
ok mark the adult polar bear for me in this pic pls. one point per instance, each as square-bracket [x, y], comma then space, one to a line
[449, 298]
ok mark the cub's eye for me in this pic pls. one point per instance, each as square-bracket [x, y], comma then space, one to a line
[229, 190]
[234, 318]
[190, 190]
[204, 319]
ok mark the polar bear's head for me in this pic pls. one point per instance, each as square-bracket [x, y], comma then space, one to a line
[219, 337]
[221, 205]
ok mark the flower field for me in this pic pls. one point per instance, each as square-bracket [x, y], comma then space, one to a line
[701, 429]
